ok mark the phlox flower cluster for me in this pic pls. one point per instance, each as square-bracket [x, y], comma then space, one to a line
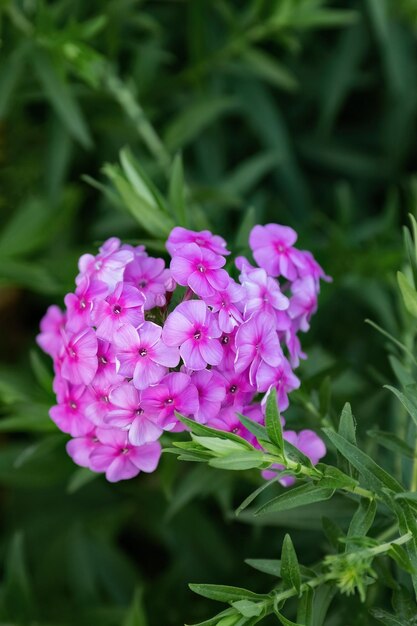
[139, 341]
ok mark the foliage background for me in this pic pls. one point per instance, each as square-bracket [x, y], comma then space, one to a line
[294, 111]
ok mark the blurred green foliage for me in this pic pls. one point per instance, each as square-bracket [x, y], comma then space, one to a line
[294, 111]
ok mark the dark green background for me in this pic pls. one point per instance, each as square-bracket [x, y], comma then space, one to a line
[294, 111]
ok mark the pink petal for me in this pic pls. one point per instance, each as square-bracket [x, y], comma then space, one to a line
[212, 351]
[146, 457]
[191, 355]
[143, 431]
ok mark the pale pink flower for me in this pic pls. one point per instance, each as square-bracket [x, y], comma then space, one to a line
[200, 269]
[281, 377]
[69, 413]
[303, 302]
[179, 237]
[257, 342]
[142, 355]
[108, 266]
[193, 328]
[52, 325]
[272, 247]
[79, 359]
[227, 304]
[175, 392]
[151, 277]
[211, 392]
[119, 459]
[80, 304]
[263, 294]
[123, 306]
[128, 413]
[228, 421]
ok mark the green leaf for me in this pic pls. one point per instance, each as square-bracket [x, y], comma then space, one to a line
[177, 191]
[273, 420]
[293, 498]
[136, 613]
[251, 497]
[42, 372]
[400, 556]
[267, 566]
[290, 570]
[266, 66]
[247, 608]
[305, 608]
[408, 293]
[388, 619]
[146, 214]
[406, 401]
[392, 442]
[362, 520]
[375, 477]
[140, 182]
[347, 424]
[17, 596]
[238, 461]
[253, 427]
[284, 620]
[201, 429]
[195, 118]
[61, 98]
[225, 593]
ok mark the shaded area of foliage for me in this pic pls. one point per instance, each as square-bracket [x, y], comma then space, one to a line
[294, 111]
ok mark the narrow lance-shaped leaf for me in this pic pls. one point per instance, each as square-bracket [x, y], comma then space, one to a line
[293, 498]
[273, 420]
[290, 570]
[408, 293]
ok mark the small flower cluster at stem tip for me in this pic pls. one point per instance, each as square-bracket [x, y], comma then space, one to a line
[126, 359]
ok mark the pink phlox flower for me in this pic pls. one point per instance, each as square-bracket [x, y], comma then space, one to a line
[128, 414]
[119, 459]
[142, 355]
[282, 377]
[106, 365]
[200, 269]
[303, 302]
[80, 448]
[257, 342]
[227, 341]
[244, 266]
[51, 326]
[310, 267]
[69, 413]
[272, 247]
[108, 266]
[123, 306]
[151, 277]
[309, 443]
[263, 294]
[227, 304]
[175, 392]
[99, 404]
[293, 344]
[194, 328]
[228, 421]
[79, 357]
[80, 304]
[239, 391]
[211, 392]
[180, 237]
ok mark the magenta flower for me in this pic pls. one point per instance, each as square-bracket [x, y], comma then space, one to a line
[108, 266]
[281, 377]
[193, 328]
[272, 247]
[211, 391]
[303, 302]
[80, 448]
[151, 278]
[69, 413]
[142, 355]
[175, 392]
[238, 389]
[98, 400]
[263, 294]
[52, 324]
[123, 306]
[79, 360]
[310, 267]
[106, 365]
[128, 413]
[200, 269]
[119, 459]
[227, 341]
[227, 304]
[180, 237]
[80, 304]
[257, 342]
